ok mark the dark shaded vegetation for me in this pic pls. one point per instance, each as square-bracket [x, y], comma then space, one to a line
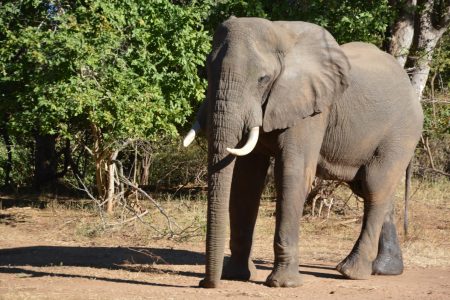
[84, 83]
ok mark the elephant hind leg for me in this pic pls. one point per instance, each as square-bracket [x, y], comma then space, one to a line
[379, 180]
[389, 260]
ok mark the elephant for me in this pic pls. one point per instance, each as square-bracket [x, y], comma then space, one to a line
[287, 90]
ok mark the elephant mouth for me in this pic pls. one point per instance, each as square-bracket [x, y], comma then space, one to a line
[248, 147]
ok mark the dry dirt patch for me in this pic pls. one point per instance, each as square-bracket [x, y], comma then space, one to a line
[58, 253]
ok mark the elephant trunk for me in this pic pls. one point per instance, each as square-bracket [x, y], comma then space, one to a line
[219, 183]
[229, 118]
[226, 127]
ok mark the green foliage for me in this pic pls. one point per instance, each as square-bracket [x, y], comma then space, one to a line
[437, 112]
[348, 20]
[440, 65]
[173, 166]
[20, 169]
[437, 119]
[126, 67]
[223, 9]
[131, 68]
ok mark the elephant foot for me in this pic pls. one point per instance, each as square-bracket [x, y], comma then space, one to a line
[389, 260]
[387, 264]
[355, 267]
[284, 277]
[235, 270]
[205, 283]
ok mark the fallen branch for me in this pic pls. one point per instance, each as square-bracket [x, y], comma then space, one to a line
[129, 219]
[346, 222]
[154, 257]
[96, 201]
[155, 203]
[435, 171]
[428, 150]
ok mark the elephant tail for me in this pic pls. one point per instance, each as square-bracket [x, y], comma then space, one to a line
[407, 195]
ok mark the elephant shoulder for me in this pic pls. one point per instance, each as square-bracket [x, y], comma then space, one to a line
[356, 51]
[358, 46]
[367, 53]
[367, 59]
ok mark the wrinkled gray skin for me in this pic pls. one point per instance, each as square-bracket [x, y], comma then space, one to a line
[340, 112]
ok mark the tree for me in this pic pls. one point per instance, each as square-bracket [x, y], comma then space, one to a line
[348, 20]
[418, 28]
[9, 161]
[433, 22]
[118, 69]
[94, 76]
[403, 30]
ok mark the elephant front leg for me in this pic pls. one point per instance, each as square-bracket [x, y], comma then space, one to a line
[292, 182]
[247, 185]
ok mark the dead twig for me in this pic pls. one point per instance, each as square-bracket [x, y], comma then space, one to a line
[129, 219]
[428, 150]
[346, 222]
[96, 201]
[435, 171]
[154, 257]
[155, 203]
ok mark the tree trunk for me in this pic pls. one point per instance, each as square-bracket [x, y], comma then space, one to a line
[8, 164]
[99, 162]
[110, 192]
[46, 161]
[403, 32]
[111, 189]
[105, 168]
[145, 169]
[431, 26]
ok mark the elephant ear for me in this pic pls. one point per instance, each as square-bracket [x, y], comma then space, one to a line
[313, 75]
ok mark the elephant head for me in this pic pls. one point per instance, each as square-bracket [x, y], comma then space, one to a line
[261, 74]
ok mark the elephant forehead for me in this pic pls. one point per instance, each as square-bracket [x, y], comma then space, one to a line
[247, 29]
[242, 57]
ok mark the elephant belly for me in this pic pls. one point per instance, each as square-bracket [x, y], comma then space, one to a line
[335, 171]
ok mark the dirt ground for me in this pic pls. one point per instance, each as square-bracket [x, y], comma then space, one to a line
[56, 253]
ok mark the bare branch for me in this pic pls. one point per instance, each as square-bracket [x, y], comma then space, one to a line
[155, 203]
[435, 171]
[99, 205]
[427, 148]
[89, 150]
[129, 219]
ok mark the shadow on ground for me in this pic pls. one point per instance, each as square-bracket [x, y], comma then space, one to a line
[96, 257]
[12, 260]
[316, 270]
[135, 259]
[32, 273]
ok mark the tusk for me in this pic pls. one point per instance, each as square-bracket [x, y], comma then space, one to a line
[249, 146]
[190, 136]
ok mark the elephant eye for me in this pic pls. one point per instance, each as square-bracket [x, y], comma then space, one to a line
[264, 79]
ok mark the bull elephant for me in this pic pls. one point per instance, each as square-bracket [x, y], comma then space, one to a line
[287, 90]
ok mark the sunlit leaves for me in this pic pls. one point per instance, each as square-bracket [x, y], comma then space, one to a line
[347, 20]
[128, 67]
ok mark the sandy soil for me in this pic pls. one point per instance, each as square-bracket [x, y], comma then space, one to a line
[44, 256]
